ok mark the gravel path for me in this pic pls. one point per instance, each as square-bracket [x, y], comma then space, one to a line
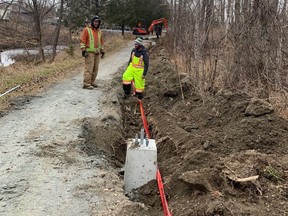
[42, 169]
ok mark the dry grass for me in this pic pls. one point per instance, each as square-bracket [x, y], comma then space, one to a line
[278, 97]
[280, 102]
[115, 40]
[34, 78]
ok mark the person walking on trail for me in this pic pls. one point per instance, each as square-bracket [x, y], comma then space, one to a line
[92, 46]
[158, 30]
[87, 23]
[137, 70]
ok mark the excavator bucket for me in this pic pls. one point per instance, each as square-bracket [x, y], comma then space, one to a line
[139, 31]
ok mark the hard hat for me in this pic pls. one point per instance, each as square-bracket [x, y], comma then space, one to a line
[93, 19]
[139, 41]
[96, 17]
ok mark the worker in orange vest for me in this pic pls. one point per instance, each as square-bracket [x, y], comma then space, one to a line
[87, 22]
[92, 46]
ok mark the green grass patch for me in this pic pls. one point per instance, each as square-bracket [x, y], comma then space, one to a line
[273, 174]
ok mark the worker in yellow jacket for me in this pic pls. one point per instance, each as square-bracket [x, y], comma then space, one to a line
[92, 46]
[137, 70]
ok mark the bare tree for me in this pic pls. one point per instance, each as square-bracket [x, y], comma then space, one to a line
[7, 5]
[57, 30]
[241, 44]
[39, 9]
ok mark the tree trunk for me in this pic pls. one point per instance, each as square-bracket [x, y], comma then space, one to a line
[197, 44]
[57, 31]
[122, 29]
[222, 12]
[283, 12]
[6, 9]
[207, 24]
[17, 18]
[172, 15]
[202, 14]
[175, 29]
[70, 36]
[246, 13]
[237, 12]
[37, 20]
[228, 13]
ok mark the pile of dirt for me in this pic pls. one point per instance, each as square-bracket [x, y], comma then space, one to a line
[104, 135]
[224, 154]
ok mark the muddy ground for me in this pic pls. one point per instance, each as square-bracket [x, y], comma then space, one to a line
[208, 148]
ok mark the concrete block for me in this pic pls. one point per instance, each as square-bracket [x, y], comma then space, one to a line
[140, 164]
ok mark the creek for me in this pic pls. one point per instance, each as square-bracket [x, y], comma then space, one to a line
[7, 57]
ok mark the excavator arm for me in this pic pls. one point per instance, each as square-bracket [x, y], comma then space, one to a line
[158, 21]
[142, 31]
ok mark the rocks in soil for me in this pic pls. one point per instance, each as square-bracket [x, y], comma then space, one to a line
[190, 128]
[206, 145]
[258, 107]
[196, 180]
[171, 93]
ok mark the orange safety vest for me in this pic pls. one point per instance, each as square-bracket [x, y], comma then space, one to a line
[91, 47]
[137, 62]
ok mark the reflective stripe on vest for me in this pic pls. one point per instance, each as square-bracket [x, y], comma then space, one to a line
[137, 62]
[91, 41]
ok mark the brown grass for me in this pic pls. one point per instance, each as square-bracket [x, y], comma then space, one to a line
[279, 100]
[34, 78]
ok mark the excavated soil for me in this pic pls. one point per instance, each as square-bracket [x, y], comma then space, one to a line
[224, 154]
[220, 155]
[48, 162]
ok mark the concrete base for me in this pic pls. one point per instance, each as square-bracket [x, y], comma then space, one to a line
[140, 165]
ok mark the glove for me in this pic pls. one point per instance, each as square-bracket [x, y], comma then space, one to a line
[84, 53]
[102, 54]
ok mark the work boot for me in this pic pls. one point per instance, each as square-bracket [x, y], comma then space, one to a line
[139, 95]
[88, 87]
[127, 89]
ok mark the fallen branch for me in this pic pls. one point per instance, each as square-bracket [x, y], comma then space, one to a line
[251, 178]
[9, 91]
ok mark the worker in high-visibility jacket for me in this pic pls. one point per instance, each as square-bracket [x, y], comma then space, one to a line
[87, 23]
[92, 46]
[137, 70]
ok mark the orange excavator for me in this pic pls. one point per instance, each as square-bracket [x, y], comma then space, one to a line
[139, 30]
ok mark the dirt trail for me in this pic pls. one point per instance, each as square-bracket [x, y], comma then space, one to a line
[44, 170]
[61, 153]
